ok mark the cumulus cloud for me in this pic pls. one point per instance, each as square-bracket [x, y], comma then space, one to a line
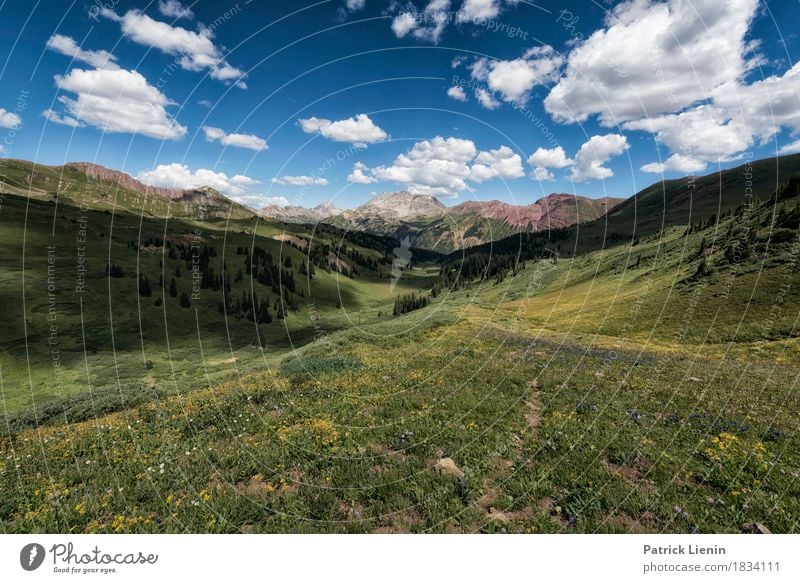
[697, 136]
[680, 78]
[9, 119]
[485, 98]
[300, 181]
[174, 9]
[457, 93]
[478, 9]
[54, 117]
[588, 163]
[542, 174]
[593, 154]
[358, 174]
[249, 141]
[444, 167]
[552, 158]
[67, 46]
[675, 163]
[514, 79]
[403, 23]
[500, 163]
[179, 176]
[196, 50]
[118, 101]
[359, 130]
[765, 106]
[427, 25]
[675, 53]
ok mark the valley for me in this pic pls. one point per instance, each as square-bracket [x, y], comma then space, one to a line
[633, 373]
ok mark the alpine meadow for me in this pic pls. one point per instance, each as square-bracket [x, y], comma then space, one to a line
[382, 267]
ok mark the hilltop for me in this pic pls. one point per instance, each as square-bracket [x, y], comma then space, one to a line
[94, 186]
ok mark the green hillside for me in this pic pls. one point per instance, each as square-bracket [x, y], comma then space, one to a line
[644, 381]
[89, 299]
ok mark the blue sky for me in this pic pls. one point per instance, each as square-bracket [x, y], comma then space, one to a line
[307, 102]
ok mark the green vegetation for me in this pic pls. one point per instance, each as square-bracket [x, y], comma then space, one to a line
[95, 299]
[640, 382]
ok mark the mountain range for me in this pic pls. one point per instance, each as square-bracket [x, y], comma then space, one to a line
[423, 220]
[429, 224]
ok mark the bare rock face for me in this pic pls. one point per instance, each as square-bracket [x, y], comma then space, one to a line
[397, 207]
[298, 214]
[204, 196]
[431, 225]
[123, 180]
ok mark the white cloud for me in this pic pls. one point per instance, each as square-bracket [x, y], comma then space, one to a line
[355, 130]
[679, 77]
[500, 163]
[403, 23]
[654, 57]
[593, 154]
[792, 148]
[457, 93]
[54, 117]
[118, 101]
[67, 46]
[179, 176]
[174, 9]
[259, 201]
[300, 181]
[697, 136]
[675, 163]
[588, 162]
[195, 49]
[763, 107]
[359, 176]
[427, 25]
[514, 79]
[9, 119]
[485, 98]
[552, 158]
[445, 167]
[355, 5]
[478, 9]
[249, 141]
[542, 174]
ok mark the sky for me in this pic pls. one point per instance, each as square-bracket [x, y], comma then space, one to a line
[305, 102]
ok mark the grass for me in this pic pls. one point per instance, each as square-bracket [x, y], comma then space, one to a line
[647, 387]
[549, 436]
[107, 335]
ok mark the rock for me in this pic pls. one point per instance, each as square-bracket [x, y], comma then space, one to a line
[447, 466]
[495, 514]
[755, 528]
[694, 380]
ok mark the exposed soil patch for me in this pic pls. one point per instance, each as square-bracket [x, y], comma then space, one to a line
[633, 475]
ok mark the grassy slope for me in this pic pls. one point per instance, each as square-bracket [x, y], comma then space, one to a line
[128, 338]
[613, 392]
[551, 434]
